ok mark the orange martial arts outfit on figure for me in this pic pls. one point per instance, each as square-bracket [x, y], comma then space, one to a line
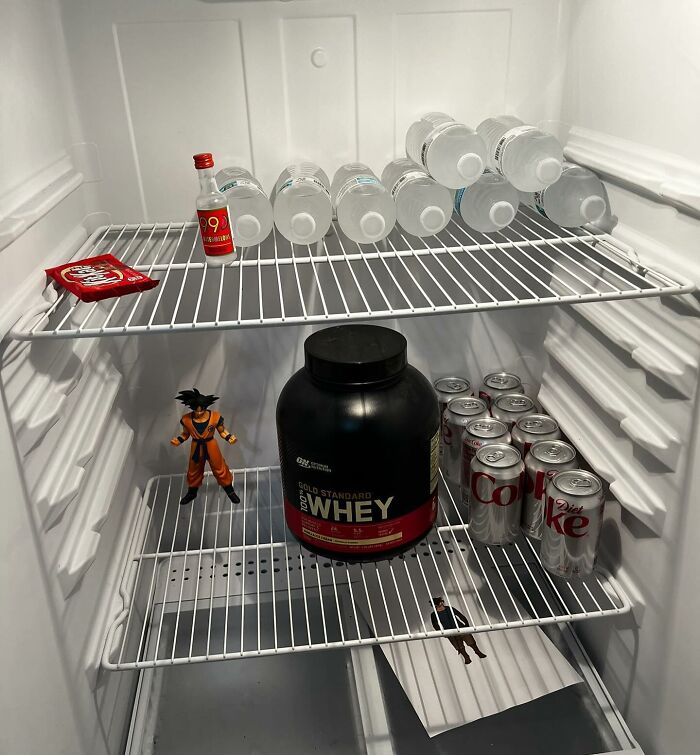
[200, 425]
[205, 448]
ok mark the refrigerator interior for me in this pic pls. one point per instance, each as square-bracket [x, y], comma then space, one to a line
[104, 103]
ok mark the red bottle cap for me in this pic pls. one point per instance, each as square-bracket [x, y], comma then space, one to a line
[203, 160]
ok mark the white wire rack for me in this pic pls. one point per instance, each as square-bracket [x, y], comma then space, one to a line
[532, 262]
[212, 581]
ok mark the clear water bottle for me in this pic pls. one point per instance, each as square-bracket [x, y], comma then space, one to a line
[302, 203]
[365, 209]
[452, 153]
[578, 197]
[423, 206]
[249, 207]
[489, 204]
[528, 157]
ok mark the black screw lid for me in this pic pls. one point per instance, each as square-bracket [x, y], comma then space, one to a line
[355, 354]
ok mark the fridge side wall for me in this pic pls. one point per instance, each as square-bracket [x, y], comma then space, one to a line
[631, 69]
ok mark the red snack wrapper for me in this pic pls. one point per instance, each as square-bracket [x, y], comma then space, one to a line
[100, 277]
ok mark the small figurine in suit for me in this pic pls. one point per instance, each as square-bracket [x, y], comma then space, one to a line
[450, 618]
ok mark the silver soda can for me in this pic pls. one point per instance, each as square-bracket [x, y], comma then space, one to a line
[447, 388]
[479, 433]
[498, 384]
[495, 492]
[573, 517]
[457, 415]
[512, 407]
[533, 428]
[545, 459]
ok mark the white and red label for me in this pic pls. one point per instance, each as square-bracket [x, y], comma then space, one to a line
[215, 227]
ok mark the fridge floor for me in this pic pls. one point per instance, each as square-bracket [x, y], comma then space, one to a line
[296, 705]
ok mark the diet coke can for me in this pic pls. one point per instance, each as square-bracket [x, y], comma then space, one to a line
[459, 412]
[512, 407]
[495, 488]
[545, 459]
[573, 517]
[498, 384]
[447, 388]
[533, 428]
[479, 433]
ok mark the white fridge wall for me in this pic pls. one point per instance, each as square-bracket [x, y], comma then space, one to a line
[109, 101]
[631, 69]
[262, 83]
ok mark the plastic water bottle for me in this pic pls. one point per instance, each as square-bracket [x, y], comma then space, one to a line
[489, 204]
[529, 158]
[423, 206]
[302, 203]
[249, 207]
[452, 153]
[578, 197]
[365, 209]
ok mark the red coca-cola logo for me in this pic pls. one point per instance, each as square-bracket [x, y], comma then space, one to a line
[538, 485]
[92, 274]
[501, 495]
[565, 518]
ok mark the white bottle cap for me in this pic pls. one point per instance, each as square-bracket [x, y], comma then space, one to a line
[303, 225]
[372, 224]
[470, 166]
[593, 208]
[245, 228]
[432, 218]
[502, 213]
[548, 170]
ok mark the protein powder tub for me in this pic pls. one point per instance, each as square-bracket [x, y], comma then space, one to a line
[358, 432]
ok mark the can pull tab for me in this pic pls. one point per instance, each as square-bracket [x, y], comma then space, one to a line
[580, 482]
[553, 452]
[519, 402]
[494, 456]
[455, 386]
[530, 423]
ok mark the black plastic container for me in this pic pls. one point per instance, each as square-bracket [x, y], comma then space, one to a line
[358, 432]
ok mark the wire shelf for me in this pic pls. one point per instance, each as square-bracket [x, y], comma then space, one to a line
[212, 581]
[532, 262]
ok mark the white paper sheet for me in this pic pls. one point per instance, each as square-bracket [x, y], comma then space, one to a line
[521, 665]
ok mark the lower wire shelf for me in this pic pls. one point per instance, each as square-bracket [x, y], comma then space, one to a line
[213, 581]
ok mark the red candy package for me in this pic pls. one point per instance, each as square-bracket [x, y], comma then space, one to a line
[100, 277]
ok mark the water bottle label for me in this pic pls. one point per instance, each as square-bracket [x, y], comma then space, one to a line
[215, 227]
[354, 181]
[405, 178]
[538, 198]
[432, 136]
[504, 141]
[240, 182]
[458, 199]
[305, 180]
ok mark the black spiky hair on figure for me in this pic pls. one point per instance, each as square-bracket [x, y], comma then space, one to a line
[194, 399]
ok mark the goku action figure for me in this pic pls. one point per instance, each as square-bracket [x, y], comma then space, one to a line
[200, 425]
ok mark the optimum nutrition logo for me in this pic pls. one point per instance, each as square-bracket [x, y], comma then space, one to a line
[306, 464]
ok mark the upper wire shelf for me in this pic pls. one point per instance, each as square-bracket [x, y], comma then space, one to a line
[211, 581]
[531, 262]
